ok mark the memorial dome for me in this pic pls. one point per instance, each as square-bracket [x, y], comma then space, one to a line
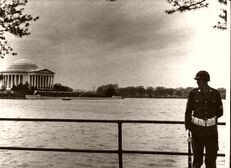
[22, 65]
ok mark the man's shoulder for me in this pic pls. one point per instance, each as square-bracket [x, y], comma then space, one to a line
[195, 90]
[214, 91]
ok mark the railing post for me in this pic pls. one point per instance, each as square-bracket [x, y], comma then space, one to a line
[120, 150]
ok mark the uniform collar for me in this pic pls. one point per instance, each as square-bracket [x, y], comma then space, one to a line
[199, 90]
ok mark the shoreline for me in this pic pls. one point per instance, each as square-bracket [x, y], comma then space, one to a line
[86, 98]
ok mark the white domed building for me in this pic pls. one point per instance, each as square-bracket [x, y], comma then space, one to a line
[22, 71]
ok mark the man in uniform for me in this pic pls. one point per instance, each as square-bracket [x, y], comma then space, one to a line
[204, 107]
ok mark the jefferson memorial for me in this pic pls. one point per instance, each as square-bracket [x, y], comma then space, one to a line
[22, 71]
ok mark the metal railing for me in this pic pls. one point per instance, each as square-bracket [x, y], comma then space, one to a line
[120, 150]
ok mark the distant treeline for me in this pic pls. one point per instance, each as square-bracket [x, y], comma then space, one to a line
[108, 90]
[20, 91]
[149, 92]
[54, 93]
[17, 92]
[11, 95]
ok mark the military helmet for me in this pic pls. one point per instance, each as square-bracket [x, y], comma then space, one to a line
[202, 75]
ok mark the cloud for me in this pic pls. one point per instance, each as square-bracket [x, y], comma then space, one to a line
[119, 27]
[105, 26]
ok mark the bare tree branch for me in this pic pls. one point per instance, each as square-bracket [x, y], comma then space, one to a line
[13, 21]
[187, 5]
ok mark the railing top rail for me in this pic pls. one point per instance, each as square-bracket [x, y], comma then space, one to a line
[97, 151]
[96, 120]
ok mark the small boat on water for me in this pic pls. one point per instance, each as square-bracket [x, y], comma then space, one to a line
[67, 98]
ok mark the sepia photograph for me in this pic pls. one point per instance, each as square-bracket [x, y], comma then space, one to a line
[115, 84]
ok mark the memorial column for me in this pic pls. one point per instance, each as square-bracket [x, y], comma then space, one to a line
[48, 78]
[46, 86]
[40, 81]
[9, 81]
[34, 80]
[6, 81]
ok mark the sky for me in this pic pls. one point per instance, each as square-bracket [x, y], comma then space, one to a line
[89, 43]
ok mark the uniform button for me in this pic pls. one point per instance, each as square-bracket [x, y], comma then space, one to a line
[205, 106]
[205, 101]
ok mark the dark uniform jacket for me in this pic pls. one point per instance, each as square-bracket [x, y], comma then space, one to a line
[203, 106]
